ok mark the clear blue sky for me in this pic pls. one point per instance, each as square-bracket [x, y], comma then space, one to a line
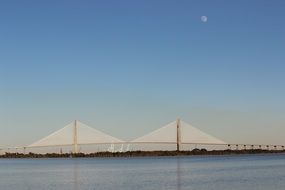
[128, 67]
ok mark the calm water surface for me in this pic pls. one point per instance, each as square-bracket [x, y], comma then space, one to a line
[260, 172]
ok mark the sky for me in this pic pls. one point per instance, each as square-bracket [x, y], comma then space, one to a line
[129, 67]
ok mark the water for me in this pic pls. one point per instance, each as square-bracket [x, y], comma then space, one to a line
[251, 172]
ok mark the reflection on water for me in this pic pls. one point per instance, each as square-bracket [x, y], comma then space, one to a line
[178, 174]
[174, 173]
[75, 175]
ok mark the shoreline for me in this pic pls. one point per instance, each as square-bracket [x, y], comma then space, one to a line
[194, 152]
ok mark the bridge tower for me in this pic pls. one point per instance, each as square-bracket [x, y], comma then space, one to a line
[178, 132]
[75, 144]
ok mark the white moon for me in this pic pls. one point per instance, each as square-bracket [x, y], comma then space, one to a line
[204, 18]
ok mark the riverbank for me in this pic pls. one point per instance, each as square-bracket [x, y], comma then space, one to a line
[142, 153]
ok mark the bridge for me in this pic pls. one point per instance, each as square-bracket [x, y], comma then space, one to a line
[176, 133]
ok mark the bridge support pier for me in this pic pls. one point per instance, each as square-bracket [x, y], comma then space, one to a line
[178, 140]
[75, 144]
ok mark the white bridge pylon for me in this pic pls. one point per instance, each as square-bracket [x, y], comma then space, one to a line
[76, 133]
[179, 132]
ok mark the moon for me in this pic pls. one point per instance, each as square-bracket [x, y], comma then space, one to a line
[204, 18]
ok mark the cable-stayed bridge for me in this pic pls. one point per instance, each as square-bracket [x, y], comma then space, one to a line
[176, 133]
